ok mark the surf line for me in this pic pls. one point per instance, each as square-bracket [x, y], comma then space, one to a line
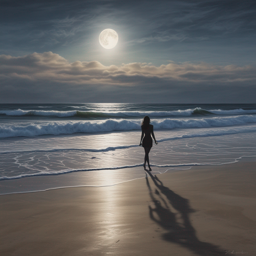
[108, 168]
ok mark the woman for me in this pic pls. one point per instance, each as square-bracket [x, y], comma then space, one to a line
[146, 140]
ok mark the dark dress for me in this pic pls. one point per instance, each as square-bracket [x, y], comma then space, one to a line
[147, 140]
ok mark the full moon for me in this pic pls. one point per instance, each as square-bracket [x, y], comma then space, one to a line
[108, 38]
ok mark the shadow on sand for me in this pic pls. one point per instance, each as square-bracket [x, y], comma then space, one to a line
[180, 232]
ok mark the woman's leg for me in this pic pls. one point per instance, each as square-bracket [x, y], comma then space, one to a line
[145, 159]
[147, 150]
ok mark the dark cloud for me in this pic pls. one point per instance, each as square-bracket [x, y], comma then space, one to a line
[48, 77]
[195, 17]
[191, 33]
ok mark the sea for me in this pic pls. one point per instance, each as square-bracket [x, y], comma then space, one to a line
[50, 146]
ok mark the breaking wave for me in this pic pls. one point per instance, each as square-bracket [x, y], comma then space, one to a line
[125, 114]
[197, 134]
[110, 125]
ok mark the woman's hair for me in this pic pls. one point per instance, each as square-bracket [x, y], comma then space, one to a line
[145, 122]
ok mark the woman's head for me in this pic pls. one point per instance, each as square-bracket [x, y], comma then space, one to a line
[145, 122]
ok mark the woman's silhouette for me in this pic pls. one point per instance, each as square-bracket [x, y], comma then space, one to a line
[146, 140]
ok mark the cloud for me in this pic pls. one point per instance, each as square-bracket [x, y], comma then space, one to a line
[52, 67]
[48, 77]
[153, 31]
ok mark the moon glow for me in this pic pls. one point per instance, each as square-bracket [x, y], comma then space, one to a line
[108, 38]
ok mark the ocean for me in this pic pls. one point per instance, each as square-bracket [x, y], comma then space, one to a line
[48, 146]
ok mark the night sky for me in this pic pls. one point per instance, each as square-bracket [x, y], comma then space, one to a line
[176, 51]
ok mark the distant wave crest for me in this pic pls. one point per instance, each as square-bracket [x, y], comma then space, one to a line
[110, 125]
[125, 114]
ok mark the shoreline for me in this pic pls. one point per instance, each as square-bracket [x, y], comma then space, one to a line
[36, 180]
[62, 178]
[207, 210]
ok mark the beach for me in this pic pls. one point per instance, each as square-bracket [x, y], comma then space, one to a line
[206, 210]
[72, 180]
[127, 128]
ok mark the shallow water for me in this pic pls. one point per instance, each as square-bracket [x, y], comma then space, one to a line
[66, 158]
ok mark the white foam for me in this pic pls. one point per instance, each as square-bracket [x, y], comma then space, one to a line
[25, 175]
[232, 111]
[184, 135]
[20, 112]
[44, 173]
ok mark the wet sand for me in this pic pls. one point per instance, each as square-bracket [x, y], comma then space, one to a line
[202, 211]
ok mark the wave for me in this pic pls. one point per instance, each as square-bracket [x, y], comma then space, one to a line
[125, 114]
[239, 111]
[71, 127]
[66, 171]
[20, 112]
[25, 175]
[95, 114]
[44, 106]
[208, 133]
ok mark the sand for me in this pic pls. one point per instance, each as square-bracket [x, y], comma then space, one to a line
[202, 211]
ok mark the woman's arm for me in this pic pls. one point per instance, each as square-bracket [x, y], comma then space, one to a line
[142, 135]
[153, 135]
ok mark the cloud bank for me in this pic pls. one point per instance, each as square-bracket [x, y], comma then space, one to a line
[48, 77]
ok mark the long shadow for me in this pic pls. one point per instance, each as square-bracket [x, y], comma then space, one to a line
[181, 232]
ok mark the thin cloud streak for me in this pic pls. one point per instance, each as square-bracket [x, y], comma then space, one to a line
[146, 27]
